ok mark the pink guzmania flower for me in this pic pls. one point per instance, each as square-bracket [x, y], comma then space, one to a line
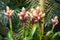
[9, 12]
[36, 15]
[23, 15]
[33, 15]
[55, 20]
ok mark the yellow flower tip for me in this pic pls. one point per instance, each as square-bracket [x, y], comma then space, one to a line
[38, 7]
[7, 7]
[31, 15]
[27, 12]
[18, 14]
[31, 10]
[34, 13]
[38, 17]
[26, 15]
[42, 15]
[38, 10]
[23, 9]
[20, 17]
[5, 13]
[52, 20]
[56, 17]
[12, 11]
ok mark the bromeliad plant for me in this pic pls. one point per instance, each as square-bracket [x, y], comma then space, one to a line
[54, 21]
[34, 19]
[9, 14]
[34, 16]
[33, 23]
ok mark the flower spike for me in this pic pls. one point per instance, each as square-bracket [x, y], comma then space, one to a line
[54, 21]
[23, 10]
[9, 12]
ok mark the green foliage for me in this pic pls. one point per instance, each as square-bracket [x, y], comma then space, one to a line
[56, 36]
[29, 31]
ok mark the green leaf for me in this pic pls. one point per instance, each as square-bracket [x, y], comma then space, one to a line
[56, 36]
[10, 37]
[34, 28]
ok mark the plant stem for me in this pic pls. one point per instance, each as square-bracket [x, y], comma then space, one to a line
[53, 27]
[23, 29]
[10, 24]
[42, 24]
[42, 5]
[34, 28]
[42, 28]
[11, 32]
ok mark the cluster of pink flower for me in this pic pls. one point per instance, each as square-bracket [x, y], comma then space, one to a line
[33, 15]
[23, 15]
[55, 20]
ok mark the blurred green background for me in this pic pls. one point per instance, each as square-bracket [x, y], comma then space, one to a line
[52, 8]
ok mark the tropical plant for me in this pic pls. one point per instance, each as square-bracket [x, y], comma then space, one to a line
[32, 24]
